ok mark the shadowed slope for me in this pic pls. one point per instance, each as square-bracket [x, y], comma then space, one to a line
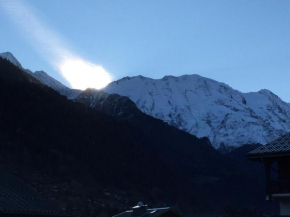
[76, 155]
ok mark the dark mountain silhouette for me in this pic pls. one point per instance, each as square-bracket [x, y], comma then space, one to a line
[94, 164]
[123, 108]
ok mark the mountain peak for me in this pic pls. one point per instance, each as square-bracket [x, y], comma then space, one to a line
[7, 53]
[9, 56]
[41, 73]
[167, 77]
[266, 91]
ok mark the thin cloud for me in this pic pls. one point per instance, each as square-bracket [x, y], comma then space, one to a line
[53, 49]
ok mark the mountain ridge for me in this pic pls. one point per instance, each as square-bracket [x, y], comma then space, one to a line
[200, 106]
[205, 107]
[44, 78]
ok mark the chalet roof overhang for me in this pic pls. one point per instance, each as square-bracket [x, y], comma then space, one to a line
[268, 156]
[277, 149]
[153, 212]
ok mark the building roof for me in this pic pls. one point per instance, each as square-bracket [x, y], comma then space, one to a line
[154, 212]
[17, 198]
[278, 147]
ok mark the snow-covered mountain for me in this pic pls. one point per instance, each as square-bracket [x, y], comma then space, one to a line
[204, 107]
[198, 105]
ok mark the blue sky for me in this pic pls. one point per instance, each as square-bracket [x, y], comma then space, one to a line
[243, 43]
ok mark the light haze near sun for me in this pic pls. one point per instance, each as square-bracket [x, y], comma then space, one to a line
[80, 73]
[245, 44]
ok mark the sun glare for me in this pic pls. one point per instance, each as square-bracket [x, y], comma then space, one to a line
[82, 74]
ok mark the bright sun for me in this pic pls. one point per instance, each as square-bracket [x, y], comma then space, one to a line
[82, 74]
